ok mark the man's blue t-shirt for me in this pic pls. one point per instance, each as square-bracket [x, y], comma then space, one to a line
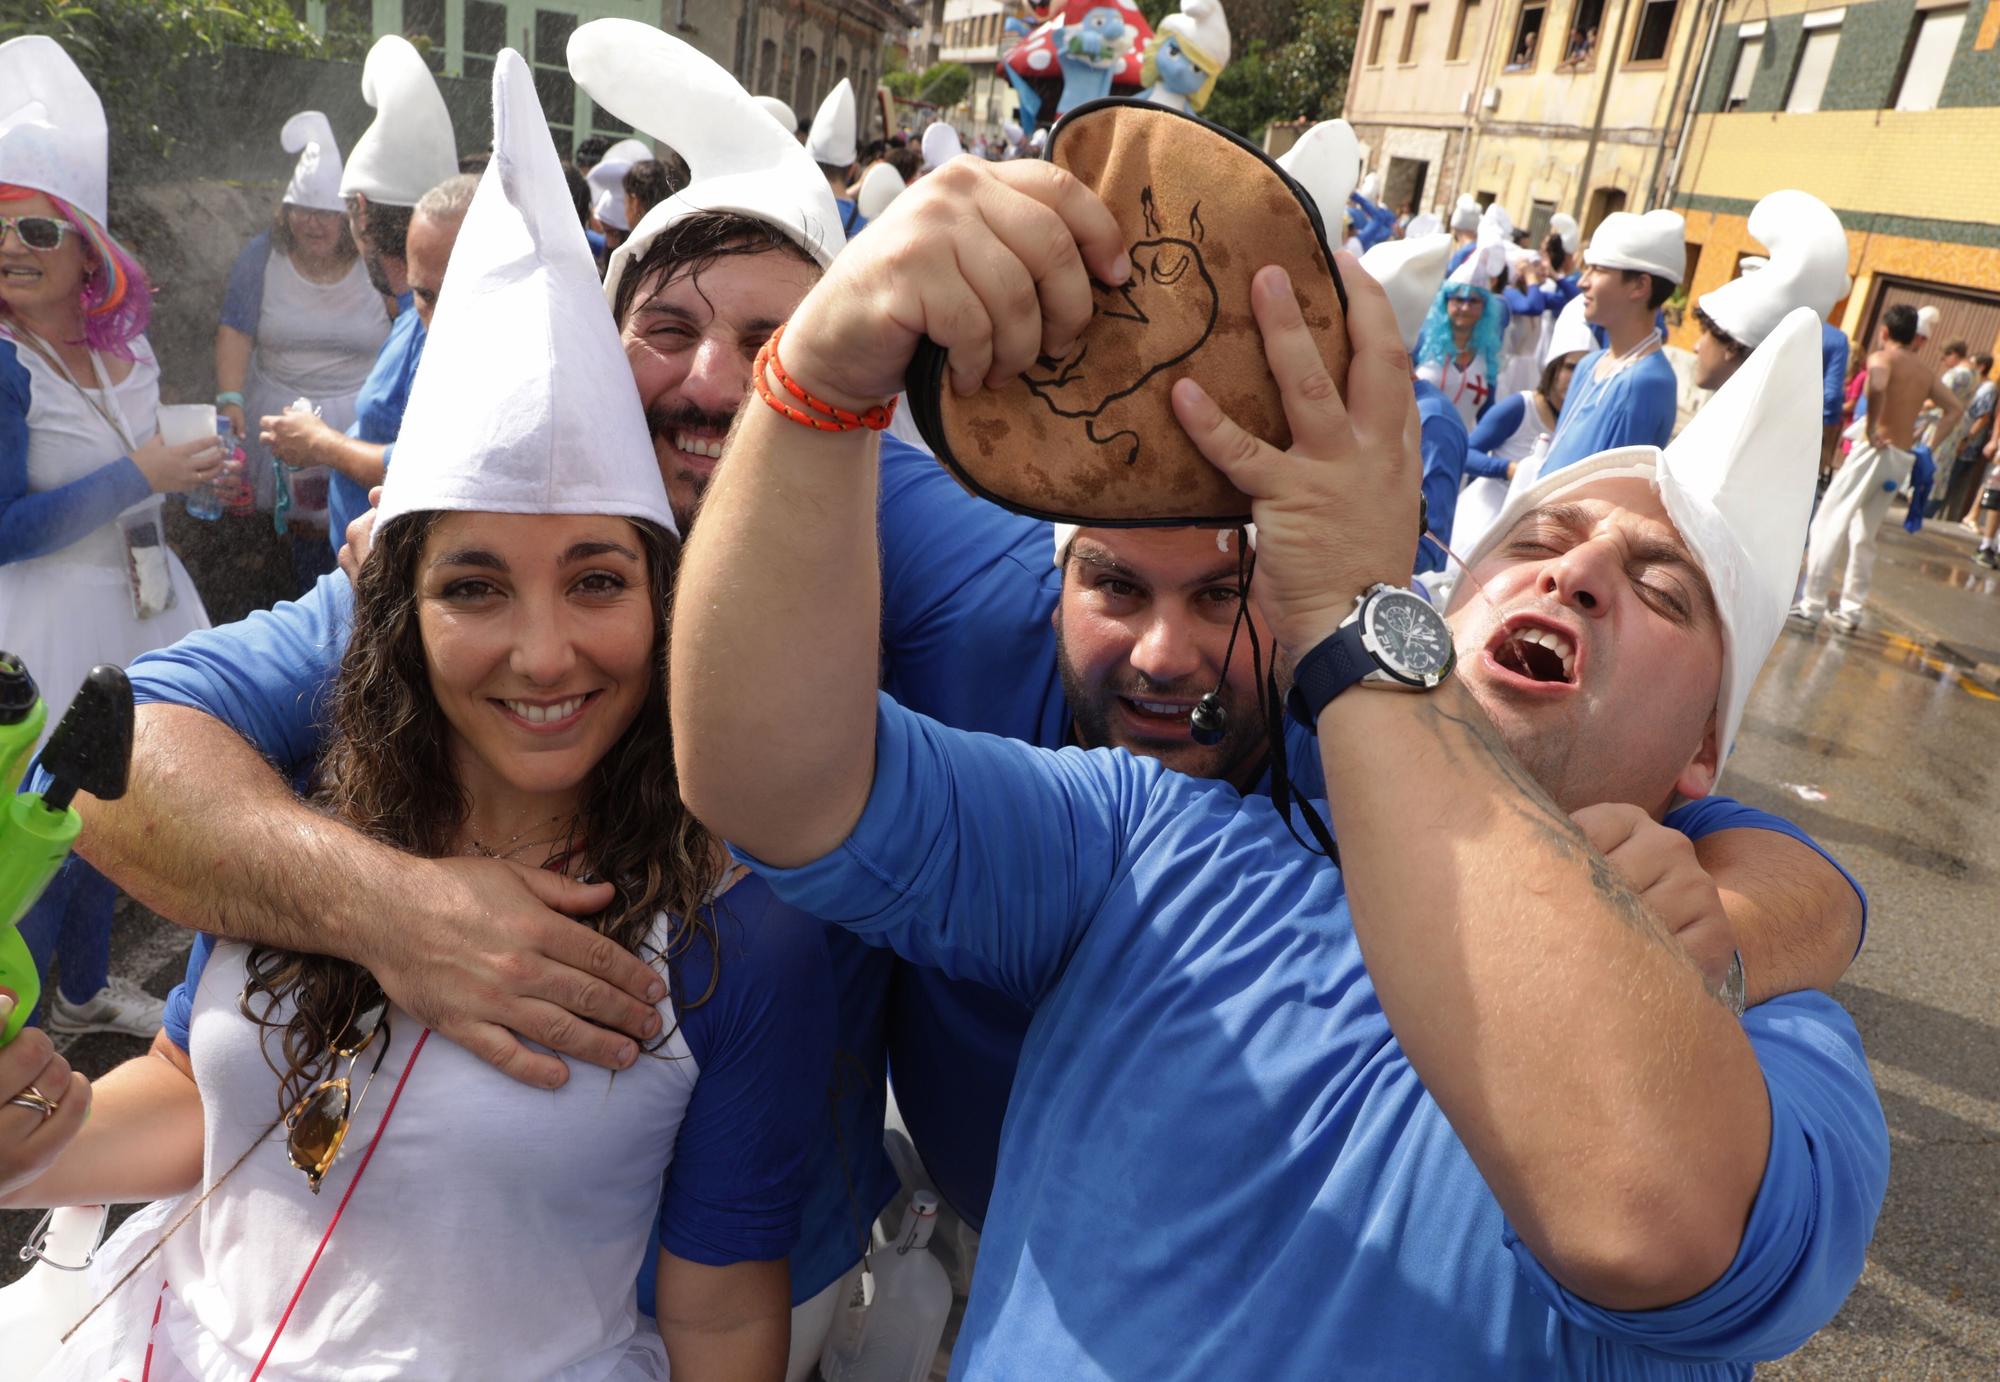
[1217, 1162]
[1634, 407]
[1833, 348]
[378, 412]
[268, 678]
[954, 1043]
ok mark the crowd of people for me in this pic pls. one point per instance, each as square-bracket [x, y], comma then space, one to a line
[736, 796]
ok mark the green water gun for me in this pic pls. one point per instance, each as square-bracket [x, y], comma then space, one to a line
[89, 752]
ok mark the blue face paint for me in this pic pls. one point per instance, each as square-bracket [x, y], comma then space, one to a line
[1178, 72]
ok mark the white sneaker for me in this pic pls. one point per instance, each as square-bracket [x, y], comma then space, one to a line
[1802, 617]
[1845, 622]
[120, 1006]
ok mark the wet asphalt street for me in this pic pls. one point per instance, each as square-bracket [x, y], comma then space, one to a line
[1884, 745]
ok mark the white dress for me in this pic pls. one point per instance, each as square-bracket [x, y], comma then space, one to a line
[66, 611]
[1468, 387]
[1480, 502]
[495, 1236]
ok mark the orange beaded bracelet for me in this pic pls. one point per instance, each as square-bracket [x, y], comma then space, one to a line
[828, 417]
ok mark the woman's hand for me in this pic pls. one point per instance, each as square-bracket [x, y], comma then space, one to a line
[178, 469]
[234, 412]
[30, 1140]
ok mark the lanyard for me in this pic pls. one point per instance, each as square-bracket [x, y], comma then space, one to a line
[108, 409]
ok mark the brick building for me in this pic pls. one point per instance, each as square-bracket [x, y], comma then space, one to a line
[1883, 110]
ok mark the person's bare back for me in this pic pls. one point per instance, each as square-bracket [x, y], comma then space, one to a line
[1899, 385]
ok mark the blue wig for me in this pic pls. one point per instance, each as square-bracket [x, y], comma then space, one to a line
[1434, 343]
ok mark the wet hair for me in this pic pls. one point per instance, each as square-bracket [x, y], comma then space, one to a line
[1435, 343]
[388, 226]
[690, 245]
[1900, 322]
[1557, 252]
[1958, 348]
[1657, 295]
[117, 296]
[591, 152]
[388, 773]
[1728, 342]
[579, 192]
[906, 159]
[653, 180]
[449, 200]
[281, 234]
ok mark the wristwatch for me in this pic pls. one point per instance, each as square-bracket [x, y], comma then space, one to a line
[1393, 639]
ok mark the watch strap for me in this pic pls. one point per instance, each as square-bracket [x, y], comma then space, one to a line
[1334, 664]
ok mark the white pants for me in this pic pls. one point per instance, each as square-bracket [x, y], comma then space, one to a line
[1848, 516]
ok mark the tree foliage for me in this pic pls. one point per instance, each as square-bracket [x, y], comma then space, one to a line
[138, 53]
[1289, 60]
[941, 84]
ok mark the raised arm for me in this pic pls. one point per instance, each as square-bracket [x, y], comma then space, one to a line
[1615, 1109]
[988, 261]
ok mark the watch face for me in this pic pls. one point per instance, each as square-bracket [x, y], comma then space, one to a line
[1410, 636]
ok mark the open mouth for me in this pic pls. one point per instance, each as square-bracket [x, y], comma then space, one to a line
[1162, 715]
[547, 715]
[1536, 653]
[20, 273]
[699, 444]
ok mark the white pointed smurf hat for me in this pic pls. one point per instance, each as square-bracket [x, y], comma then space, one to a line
[1571, 333]
[1738, 484]
[409, 148]
[739, 161]
[1927, 320]
[607, 181]
[524, 402]
[1326, 161]
[1564, 224]
[1202, 25]
[1465, 215]
[1653, 243]
[941, 145]
[832, 138]
[1371, 187]
[780, 112]
[1489, 256]
[1422, 224]
[1806, 267]
[52, 132]
[880, 185]
[1410, 271]
[1497, 217]
[315, 182]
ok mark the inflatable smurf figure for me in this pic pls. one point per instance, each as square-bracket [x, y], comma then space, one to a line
[1191, 50]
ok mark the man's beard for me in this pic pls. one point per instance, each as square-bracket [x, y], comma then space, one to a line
[663, 421]
[1094, 711]
[377, 275]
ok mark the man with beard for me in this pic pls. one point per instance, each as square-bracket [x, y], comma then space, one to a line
[406, 153]
[1521, 1139]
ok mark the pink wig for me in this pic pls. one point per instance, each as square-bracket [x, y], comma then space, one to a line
[117, 299]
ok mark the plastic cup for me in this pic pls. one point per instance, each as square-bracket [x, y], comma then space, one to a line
[186, 422]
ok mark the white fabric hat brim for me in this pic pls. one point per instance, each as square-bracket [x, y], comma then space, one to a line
[1655, 243]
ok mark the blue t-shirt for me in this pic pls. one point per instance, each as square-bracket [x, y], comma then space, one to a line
[1495, 426]
[1833, 348]
[268, 678]
[762, 1041]
[1217, 1161]
[378, 412]
[34, 523]
[243, 297]
[1443, 449]
[954, 1043]
[852, 222]
[1634, 407]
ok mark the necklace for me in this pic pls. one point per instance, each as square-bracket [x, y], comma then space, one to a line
[1626, 357]
[478, 848]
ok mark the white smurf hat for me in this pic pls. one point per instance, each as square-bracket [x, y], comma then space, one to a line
[1927, 320]
[1465, 215]
[524, 402]
[1410, 271]
[1655, 243]
[409, 148]
[1497, 217]
[52, 132]
[739, 160]
[315, 181]
[1203, 27]
[1371, 187]
[1571, 334]
[607, 181]
[1488, 260]
[832, 137]
[1807, 267]
[880, 185]
[941, 145]
[1422, 224]
[780, 112]
[1738, 484]
[1564, 225]
[1326, 161]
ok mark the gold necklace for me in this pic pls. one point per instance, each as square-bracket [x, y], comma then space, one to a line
[478, 848]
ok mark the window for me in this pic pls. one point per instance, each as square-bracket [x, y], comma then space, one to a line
[767, 67]
[1466, 21]
[1931, 50]
[1815, 62]
[1382, 18]
[485, 36]
[1656, 31]
[1539, 216]
[550, 64]
[839, 71]
[1749, 52]
[423, 25]
[1527, 35]
[1413, 31]
[1581, 49]
[808, 84]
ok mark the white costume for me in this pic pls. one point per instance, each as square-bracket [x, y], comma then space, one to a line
[1849, 513]
[98, 597]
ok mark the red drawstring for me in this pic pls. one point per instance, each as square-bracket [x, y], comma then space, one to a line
[326, 1237]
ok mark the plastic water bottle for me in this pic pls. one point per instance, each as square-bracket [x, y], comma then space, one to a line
[895, 1336]
[232, 483]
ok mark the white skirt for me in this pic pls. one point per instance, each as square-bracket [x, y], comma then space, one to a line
[62, 617]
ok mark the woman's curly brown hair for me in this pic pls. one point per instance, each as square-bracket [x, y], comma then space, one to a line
[387, 772]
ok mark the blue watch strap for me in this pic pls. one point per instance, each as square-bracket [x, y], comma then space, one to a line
[1335, 664]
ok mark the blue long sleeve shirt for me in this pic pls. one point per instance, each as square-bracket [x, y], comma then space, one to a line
[1443, 448]
[34, 523]
[1495, 425]
[1634, 407]
[1833, 350]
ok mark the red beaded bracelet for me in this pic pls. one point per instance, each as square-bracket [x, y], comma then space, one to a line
[830, 417]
